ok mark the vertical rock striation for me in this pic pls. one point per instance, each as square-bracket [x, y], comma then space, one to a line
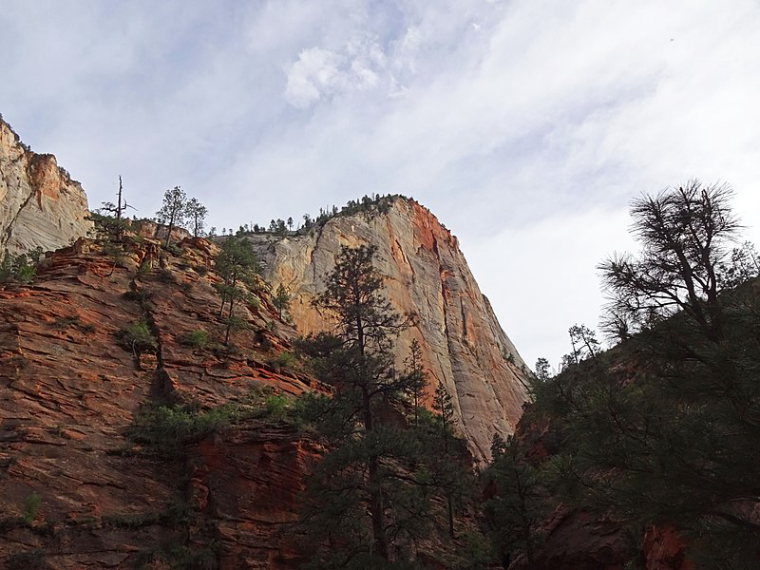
[427, 277]
[40, 205]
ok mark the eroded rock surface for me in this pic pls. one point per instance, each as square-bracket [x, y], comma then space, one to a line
[76, 491]
[426, 276]
[40, 205]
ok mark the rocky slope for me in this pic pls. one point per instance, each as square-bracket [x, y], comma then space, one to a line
[40, 205]
[427, 277]
[77, 490]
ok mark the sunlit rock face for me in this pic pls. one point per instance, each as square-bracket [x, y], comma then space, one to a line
[427, 277]
[40, 205]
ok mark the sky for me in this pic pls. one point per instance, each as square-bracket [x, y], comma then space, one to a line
[526, 126]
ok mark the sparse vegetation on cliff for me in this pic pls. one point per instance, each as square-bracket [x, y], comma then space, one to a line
[19, 268]
[237, 265]
[368, 205]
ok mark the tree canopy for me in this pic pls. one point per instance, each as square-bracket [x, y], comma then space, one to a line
[369, 501]
[662, 430]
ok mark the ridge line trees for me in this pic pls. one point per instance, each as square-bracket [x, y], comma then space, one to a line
[196, 212]
[172, 213]
[116, 229]
[177, 210]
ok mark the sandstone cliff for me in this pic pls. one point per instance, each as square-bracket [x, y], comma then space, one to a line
[76, 490]
[40, 205]
[427, 277]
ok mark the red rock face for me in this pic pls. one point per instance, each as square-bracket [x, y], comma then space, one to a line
[579, 541]
[664, 550]
[249, 484]
[76, 492]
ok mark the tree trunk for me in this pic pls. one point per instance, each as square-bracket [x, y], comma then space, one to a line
[377, 509]
[450, 508]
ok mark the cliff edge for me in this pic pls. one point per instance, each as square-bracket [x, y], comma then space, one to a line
[426, 277]
[40, 205]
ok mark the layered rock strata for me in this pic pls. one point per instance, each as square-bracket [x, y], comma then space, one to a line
[40, 205]
[426, 277]
[77, 491]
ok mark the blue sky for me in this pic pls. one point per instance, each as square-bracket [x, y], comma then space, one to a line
[526, 126]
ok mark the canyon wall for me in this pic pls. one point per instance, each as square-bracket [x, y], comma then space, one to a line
[76, 489]
[427, 277]
[40, 205]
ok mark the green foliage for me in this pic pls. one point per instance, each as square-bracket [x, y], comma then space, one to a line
[237, 265]
[116, 252]
[517, 509]
[173, 212]
[196, 213]
[277, 405]
[169, 427]
[20, 268]
[198, 338]
[73, 321]
[663, 429]
[281, 298]
[285, 359]
[141, 296]
[138, 338]
[143, 270]
[444, 409]
[32, 505]
[174, 249]
[367, 205]
[105, 226]
[371, 497]
[477, 553]
[112, 223]
[415, 379]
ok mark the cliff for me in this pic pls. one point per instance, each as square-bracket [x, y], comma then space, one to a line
[40, 205]
[78, 490]
[426, 277]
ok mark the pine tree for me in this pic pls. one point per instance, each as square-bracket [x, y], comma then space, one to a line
[516, 511]
[415, 380]
[196, 212]
[237, 265]
[365, 503]
[281, 298]
[674, 412]
[173, 211]
[448, 480]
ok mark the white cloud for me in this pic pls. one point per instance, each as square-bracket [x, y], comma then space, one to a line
[515, 122]
[319, 73]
